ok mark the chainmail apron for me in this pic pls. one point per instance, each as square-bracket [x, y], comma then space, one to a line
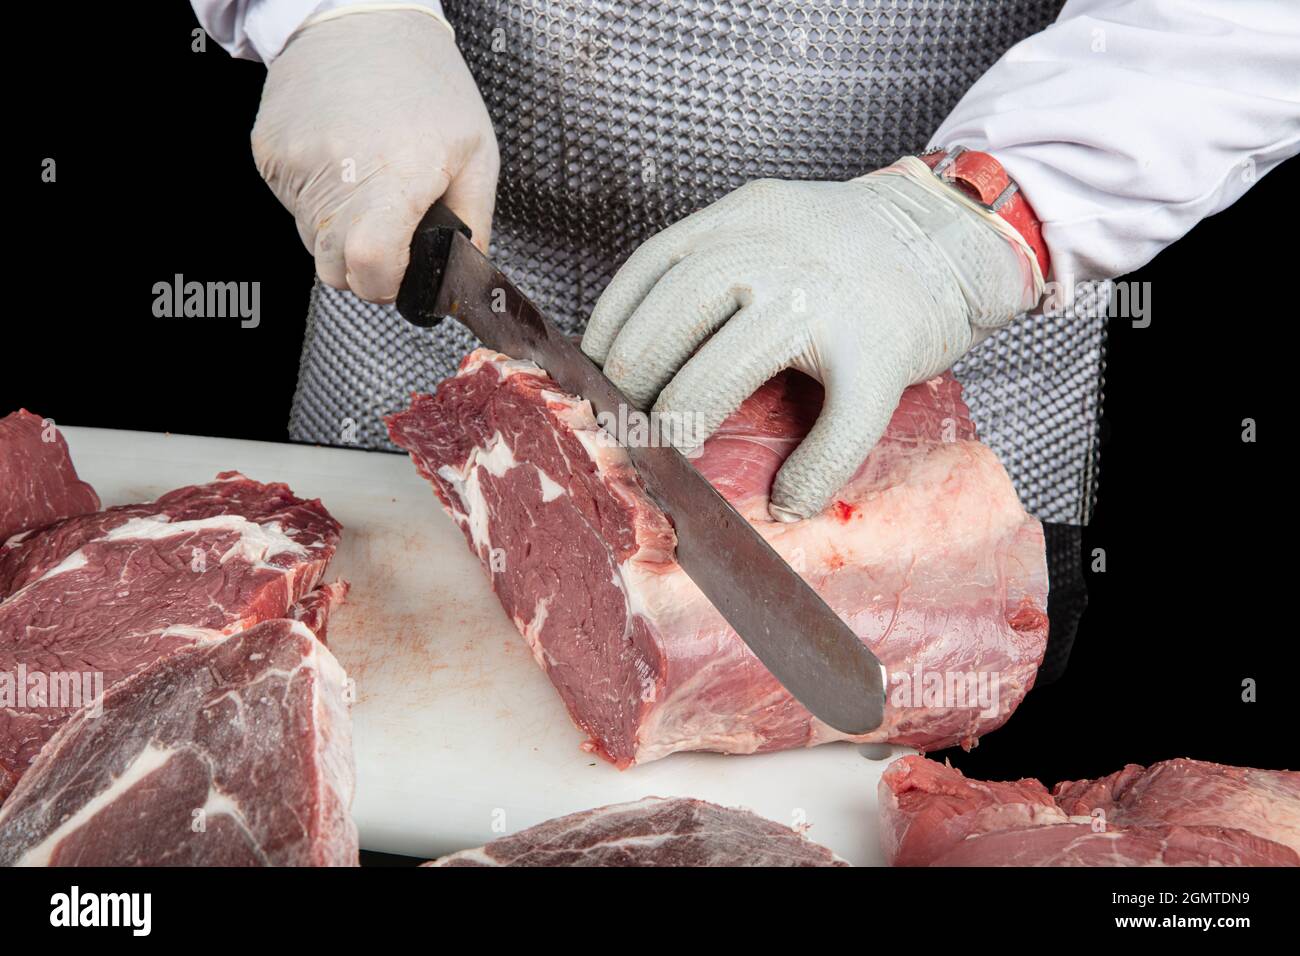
[616, 118]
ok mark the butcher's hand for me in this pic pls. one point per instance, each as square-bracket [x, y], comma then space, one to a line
[869, 286]
[367, 119]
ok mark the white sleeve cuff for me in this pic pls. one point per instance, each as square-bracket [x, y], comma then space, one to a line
[1128, 121]
[259, 29]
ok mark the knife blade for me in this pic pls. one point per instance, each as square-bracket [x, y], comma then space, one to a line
[805, 645]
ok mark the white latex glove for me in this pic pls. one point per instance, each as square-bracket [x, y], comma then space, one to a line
[366, 119]
[869, 286]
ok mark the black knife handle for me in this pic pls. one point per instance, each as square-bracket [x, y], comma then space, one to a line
[430, 246]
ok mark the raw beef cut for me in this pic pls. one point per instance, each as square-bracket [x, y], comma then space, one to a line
[233, 752]
[1175, 813]
[38, 484]
[651, 832]
[99, 597]
[927, 554]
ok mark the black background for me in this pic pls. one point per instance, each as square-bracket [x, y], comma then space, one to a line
[155, 177]
[349, 910]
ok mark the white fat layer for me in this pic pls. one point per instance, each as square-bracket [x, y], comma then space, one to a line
[532, 631]
[551, 489]
[632, 603]
[73, 562]
[497, 459]
[257, 543]
[148, 760]
[471, 499]
[14, 540]
[540, 611]
[591, 440]
[655, 595]
[219, 803]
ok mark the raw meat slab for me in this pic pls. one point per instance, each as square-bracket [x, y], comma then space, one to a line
[1175, 813]
[651, 832]
[105, 594]
[38, 484]
[233, 752]
[927, 554]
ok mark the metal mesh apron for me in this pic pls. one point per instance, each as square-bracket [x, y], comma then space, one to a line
[616, 119]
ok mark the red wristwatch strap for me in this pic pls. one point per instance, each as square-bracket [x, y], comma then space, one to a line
[982, 178]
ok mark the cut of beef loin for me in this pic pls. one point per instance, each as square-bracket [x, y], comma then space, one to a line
[927, 554]
[1174, 813]
[110, 592]
[233, 752]
[651, 832]
[38, 484]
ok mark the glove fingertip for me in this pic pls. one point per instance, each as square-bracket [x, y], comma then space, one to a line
[823, 463]
[786, 515]
[593, 347]
[794, 504]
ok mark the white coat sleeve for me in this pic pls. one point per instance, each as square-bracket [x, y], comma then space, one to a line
[1127, 122]
[259, 29]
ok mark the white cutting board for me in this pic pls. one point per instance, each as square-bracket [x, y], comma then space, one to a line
[459, 737]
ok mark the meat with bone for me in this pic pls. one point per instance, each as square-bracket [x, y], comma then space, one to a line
[38, 484]
[99, 597]
[235, 751]
[927, 554]
[1175, 813]
[651, 832]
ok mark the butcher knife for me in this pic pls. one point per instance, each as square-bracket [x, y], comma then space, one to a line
[787, 625]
